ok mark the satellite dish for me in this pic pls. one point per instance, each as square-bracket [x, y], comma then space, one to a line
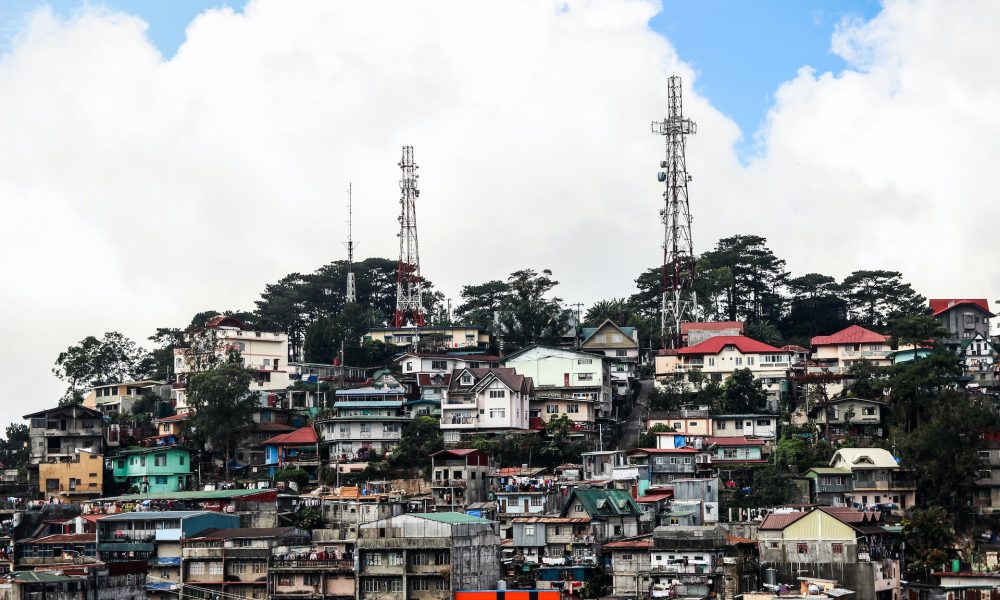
[661, 176]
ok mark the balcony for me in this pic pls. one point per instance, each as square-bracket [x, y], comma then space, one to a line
[583, 539]
[189, 553]
[458, 483]
[332, 565]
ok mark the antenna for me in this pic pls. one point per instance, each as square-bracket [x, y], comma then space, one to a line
[409, 290]
[352, 292]
[679, 268]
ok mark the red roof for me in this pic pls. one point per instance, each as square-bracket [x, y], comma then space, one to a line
[855, 334]
[778, 521]
[733, 441]
[940, 305]
[794, 348]
[427, 379]
[629, 544]
[65, 538]
[684, 450]
[716, 344]
[272, 426]
[171, 419]
[225, 321]
[649, 498]
[303, 435]
[717, 326]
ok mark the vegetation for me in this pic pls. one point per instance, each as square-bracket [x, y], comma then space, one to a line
[294, 475]
[648, 439]
[14, 448]
[93, 361]
[522, 309]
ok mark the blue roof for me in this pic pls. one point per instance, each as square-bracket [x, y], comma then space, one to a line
[372, 391]
[368, 404]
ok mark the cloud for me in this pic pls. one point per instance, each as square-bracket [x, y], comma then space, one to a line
[139, 191]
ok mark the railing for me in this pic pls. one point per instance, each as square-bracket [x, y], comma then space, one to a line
[331, 564]
[201, 553]
[583, 539]
[449, 483]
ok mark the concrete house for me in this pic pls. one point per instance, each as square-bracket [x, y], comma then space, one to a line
[836, 353]
[849, 417]
[72, 479]
[830, 485]
[620, 345]
[459, 478]
[297, 449]
[119, 398]
[365, 419]
[630, 566]
[979, 356]
[877, 479]
[963, 318]
[460, 336]
[156, 470]
[485, 401]
[57, 433]
[660, 466]
[614, 514]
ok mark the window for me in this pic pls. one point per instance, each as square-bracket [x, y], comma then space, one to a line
[749, 360]
[181, 459]
[498, 393]
[677, 426]
[551, 409]
[310, 579]
[578, 508]
[396, 585]
[197, 568]
[420, 558]
[985, 474]
[626, 557]
[259, 567]
[466, 379]
[837, 548]
[442, 558]
[763, 422]
[711, 361]
[621, 353]
[120, 464]
[439, 365]
[749, 424]
[716, 377]
[395, 559]
[239, 568]
[419, 585]
[585, 376]
[529, 530]
[498, 413]
[142, 461]
[284, 579]
[572, 408]
[537, 501]
[802, 548]
[443, 584]
[373, 559]
[773, 544]
[161, 480]
[584, 361]
[720, 425]
[739, 360]
[160, 460]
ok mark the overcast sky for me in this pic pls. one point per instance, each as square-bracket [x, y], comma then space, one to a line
[140, 186]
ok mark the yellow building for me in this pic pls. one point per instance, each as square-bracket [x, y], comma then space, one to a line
[73, 480]
[460, 336]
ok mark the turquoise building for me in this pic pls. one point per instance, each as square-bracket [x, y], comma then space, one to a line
[153, 470]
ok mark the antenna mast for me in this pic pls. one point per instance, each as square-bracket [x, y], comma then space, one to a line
[409, 290]
[679, 269]
[352, 292]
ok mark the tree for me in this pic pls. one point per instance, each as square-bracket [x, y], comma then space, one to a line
[648, 439]
[481, 302]
[321, 343]
[15, 449]
[765, 331]
[743, 393]
[915, 330]
[307, 517]
[158, 364]
[617, 310]
[928, 534]
[751, 293]
[110, 359]
[293, 474]
[420, 438]
[759, 486]
[798, 454]
[222, 404]
[916, 385]
[528, 313]
[865, 380]
[877, 297]
[816, 307]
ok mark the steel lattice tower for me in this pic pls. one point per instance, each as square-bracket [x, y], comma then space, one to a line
[409, 309]
[352, 292]
[679, 270]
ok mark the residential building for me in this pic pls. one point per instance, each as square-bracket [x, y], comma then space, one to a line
[836, 353]
[55, 550]
[838, 543]
[979, 357]
[987, 495]
[255, 508]
[320, 572]
[84, 582]
[855, 418]
[696, 498]
[426, 556]
[119, 398]
[413, 363]
[695, 333]
[365, 419]
[613, 514]
[524, 492]
[621, 347]
[169, 430]
[58, 433]
[319, 380]
[689, 420]
[718, 357]
[877, 479]
[754, 425]
[730, 452]
[963, 318]
[660, 466]
[799, 354]
[575, 384]
[554, 552]
[160, 469]
[234, 562]
[685, 561]
[630, 566]
[72, 478]
[485, 401]
[607, 465]
[296, 449]
[830, 485]
[459, 336]
[459, 478]
[350, 507]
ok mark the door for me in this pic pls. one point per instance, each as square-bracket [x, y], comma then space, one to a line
[525, 505]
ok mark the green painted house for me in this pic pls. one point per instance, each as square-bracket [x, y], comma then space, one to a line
[153, 470]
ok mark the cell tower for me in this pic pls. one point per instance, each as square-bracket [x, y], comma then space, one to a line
[679, 299]
[352, 291]
[409, 284]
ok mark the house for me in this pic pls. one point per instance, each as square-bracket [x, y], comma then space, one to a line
[555, 552]
[265, 353]
[72, 479]
[836, 353]
[297, 449]
[318, 572]
[607, 465]
[829, 485]
[326, 377]
[963, 318]
[799, 354]
[253, 507]
[630, 566]
[156, 470]
[718, 357]
[524, 492]
[82, 582]
[60, 549]
[57, 433]
[849, 417]
[485, 401]
[234, 561]
[620, 345]
[426, 555]
[119, 398]
[754, 425]
[689, 420]
[829, 541]
[459, 336]
[365, 419]
[169, 430]
[987, 495]
[660, 466]
[729, 452]
[351, 506]
[693, 334]
[979, 357]
[877, 479]
[698, 498]
[613, 514]
[685, 561]
[459, 478]
[433, 387]
[575, 384]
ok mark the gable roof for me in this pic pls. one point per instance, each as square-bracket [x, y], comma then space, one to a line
[714, 345]
[86, 412]
[302, 435]
[507, 375]
[453, 518]
[716, 326]
[551, 351]
[627, 332]
[855, 334]
[778, 521]
[941, 305]
[604, 503]
[428, 379]
[876, 458]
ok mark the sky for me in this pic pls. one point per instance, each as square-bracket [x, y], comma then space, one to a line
[164, 158]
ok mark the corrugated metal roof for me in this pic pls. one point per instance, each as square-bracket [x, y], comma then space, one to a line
[564, 520]
[189, 495]
[778, 521]
[855, 334]
[156, 515]
[453, 518]
[746, 345]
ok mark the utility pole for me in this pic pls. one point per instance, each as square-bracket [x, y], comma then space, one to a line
[679, 269]
[576, 327]
[409, 290]
[352, 293]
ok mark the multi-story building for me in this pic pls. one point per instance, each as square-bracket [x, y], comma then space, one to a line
[56, 550]
[160, 469]
[575, 384]
[621, 347]
[836, 353]
[979, 357]
[630, 566]
[524, 492]
[608, 465]
[459, 478]
[689, 420]
[345, 511]
[613, 514]
[234, 562]
[730, 452]
[485, 401]
[426, 556]
[459, 336]
[685, 561]
[718, 357]
[320, 572]
[755, 425]
[119, 398]
[839, 543]
[255, 508]
[830, 485]
[72, 479]
[660, 466]
[877, 479]
[962, 318]
[57, 433]
[695, 333]
[696, 498]
[296, 449]
[365, 419]
[849, 417]
[554, 541]
[987, 495]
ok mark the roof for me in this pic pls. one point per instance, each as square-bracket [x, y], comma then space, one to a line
[63, 538]
[41, 577]
[172, 418]
[225, 321]
[155, 515]
[873, 458]
[714, 345]
[716, 326]
[605, 503]
[940, 305]
[684, 450]
[467, 356]
[372, 391]
[588, 332]
[189, 495]
[128, 451]
[829, 471]
[644, 542]
[273, 426]
[855, 334]
[650, 498]
[368, 404]
[427, 379]
[507, 375]
[778, 521]
[245, 532]
[552, 350]
[557, 520]
[733, 441]
[453, 518]
[302, 435]
[86, 411]
[795, 348]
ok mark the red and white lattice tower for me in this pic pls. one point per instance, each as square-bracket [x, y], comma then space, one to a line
[679, 298]
[409, 284]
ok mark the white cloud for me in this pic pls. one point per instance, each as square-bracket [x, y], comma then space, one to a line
[138, 191]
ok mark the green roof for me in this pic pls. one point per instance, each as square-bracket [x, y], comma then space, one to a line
[41, 576]
[829, 471]
[454, 518]
[605, 503]
[197, 495]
